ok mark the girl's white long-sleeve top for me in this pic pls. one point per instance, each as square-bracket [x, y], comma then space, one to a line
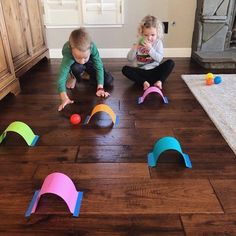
[147, 59]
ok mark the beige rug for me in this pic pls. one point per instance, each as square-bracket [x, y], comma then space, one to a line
[219, 101]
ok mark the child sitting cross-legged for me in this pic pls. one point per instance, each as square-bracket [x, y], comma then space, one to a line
[147, 55]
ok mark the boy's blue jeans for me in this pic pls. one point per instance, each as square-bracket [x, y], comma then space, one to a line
[77, 69]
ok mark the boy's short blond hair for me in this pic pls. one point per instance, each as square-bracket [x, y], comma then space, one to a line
[151, 21]
[80, 39]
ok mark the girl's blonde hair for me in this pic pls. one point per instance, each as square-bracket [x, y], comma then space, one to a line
[151, 21]
[80, 39]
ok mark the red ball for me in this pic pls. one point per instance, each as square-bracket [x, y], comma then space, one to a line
[75, 119]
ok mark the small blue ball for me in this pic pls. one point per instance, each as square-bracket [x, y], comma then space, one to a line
[217, 79]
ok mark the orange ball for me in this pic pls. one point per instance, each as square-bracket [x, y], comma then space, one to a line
[75, 119]
[209, 81]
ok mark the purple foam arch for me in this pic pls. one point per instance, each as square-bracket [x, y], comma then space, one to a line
[62, 186]
[152, 89]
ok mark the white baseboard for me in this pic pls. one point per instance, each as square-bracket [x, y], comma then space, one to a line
[122, 52]
[177, 52]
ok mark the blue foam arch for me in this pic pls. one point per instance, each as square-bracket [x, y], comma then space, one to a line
[29, 210]
[164, 144]
[78, 204]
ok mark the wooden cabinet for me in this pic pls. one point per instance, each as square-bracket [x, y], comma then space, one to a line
[23, 41]
[24, 24]
[8, 81]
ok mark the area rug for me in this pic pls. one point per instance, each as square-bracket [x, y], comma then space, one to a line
[219, 101]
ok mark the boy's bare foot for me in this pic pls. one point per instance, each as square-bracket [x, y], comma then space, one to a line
[146, 85]
[158, 84]
[85, 76]
[70, 84]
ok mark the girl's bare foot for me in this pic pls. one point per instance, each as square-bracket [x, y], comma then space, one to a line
[146, 85]
[158, 84]
[70, 84]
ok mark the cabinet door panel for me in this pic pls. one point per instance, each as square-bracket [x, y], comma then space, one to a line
[3, 63]
[8, 82]
[15, 30]
[36, 26]
[25, 33]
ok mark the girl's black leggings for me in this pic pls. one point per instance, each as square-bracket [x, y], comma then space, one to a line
[139, 76]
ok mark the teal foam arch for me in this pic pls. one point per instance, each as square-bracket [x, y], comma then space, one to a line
[165, 144]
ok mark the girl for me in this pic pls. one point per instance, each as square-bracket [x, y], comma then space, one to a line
[147, 55]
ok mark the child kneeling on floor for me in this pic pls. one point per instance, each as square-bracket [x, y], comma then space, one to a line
[81, 55]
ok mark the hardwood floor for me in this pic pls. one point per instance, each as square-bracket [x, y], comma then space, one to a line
[122, 196]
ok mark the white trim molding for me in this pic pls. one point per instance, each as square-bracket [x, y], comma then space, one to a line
[77, 26]
[122, 52]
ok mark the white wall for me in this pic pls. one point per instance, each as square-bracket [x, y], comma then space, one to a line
[115, 42]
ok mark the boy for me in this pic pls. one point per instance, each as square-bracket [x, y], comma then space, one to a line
[80, 55]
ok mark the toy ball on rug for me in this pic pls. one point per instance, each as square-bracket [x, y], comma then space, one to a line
[217, 79]
[212, 79]
[75, 119]
[209, 81]
[209, 76]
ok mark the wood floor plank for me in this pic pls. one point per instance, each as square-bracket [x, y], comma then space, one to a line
[113, 154]
[16, 196]
[18, 171]
[25, 154]
[122, 195]
[126, 196]
[207, 137]
[209, 224]
[226, 193]
[96, 225]
[75, 136]
[199, 170]
[220, 154]
[95, 170]
[166, 120]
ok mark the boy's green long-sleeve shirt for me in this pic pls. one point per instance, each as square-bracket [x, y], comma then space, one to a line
[68, 60]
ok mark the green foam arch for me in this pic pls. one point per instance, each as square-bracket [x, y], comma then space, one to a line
[23, 130]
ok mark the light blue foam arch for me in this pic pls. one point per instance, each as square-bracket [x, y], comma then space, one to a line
[165, 144]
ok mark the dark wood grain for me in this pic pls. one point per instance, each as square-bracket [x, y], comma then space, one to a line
[213, 224]
[98, 225]
[226, 192]
[122, 195]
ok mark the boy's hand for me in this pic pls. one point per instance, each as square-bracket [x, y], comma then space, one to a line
[102, 93]
[64, 101]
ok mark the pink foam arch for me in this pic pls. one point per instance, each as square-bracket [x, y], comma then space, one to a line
[152, 89]
[62, 186]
